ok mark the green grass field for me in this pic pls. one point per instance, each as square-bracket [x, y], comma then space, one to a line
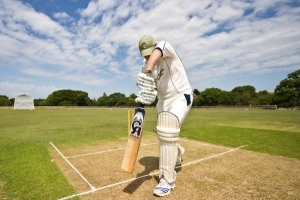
[26, 170]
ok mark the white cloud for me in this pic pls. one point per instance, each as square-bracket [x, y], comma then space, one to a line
[13, 89]
[213, 38]
[227, 12]
[95, 8]
[62, 17]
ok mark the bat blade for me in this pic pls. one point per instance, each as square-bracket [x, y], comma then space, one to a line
[134, 141]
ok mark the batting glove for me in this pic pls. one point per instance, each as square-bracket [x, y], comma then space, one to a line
[145, 82]
[146, 97]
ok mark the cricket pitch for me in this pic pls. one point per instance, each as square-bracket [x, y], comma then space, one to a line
[207, 172]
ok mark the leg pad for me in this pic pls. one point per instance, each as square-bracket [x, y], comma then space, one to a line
[168, 130]
[168, 127]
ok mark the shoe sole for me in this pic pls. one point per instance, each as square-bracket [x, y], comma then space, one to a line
[159, 193]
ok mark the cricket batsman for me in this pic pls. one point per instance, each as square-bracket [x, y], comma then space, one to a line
[163, 76]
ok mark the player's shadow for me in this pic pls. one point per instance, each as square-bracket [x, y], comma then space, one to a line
[151, 163]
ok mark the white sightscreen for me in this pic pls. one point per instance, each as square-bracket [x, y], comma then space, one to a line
[24, 102]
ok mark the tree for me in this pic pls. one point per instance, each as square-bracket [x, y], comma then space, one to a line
[39, 102]
[102, 101]
[228, 98]
[131, 100]
[287, 93]
[12, 101]
[264, 98]
[133, 96]
[211, 96]
[4, 101]
[246, 94]
[198, 100]
[92, 102]
[114, 98]
[68, 98]
[196, 92]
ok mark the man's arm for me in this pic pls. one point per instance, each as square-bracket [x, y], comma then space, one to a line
[155, 56]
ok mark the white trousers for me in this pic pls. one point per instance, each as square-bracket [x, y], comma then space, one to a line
[179, 105]
[176, 105]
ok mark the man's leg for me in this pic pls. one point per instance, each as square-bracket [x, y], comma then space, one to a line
[172, 113]
[168, 134]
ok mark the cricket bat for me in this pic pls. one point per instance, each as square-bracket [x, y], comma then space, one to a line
[134, 140]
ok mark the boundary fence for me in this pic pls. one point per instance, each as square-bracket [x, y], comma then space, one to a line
[270, 107]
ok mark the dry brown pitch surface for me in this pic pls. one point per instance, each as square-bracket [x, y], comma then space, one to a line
[217, 172]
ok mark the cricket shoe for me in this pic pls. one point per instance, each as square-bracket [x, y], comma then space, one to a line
[181, 151]
[163, 188]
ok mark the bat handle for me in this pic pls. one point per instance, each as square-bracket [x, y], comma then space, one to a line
[141, 105]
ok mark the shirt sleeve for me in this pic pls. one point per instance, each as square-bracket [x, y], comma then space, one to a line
[165, 48]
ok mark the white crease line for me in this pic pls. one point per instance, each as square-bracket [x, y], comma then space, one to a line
[151, 174]
[109, 150]
[205, 144]
[290, 127]
[213, 156]
[92, 187]
[108, 186]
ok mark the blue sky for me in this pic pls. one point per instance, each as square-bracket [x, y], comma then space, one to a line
[92, 45]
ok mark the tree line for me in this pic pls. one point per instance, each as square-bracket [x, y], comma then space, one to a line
[286, 94]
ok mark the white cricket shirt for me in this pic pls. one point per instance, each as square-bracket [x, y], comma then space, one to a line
[169, 73]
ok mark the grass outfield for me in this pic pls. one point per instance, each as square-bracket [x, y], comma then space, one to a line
[26, 170]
